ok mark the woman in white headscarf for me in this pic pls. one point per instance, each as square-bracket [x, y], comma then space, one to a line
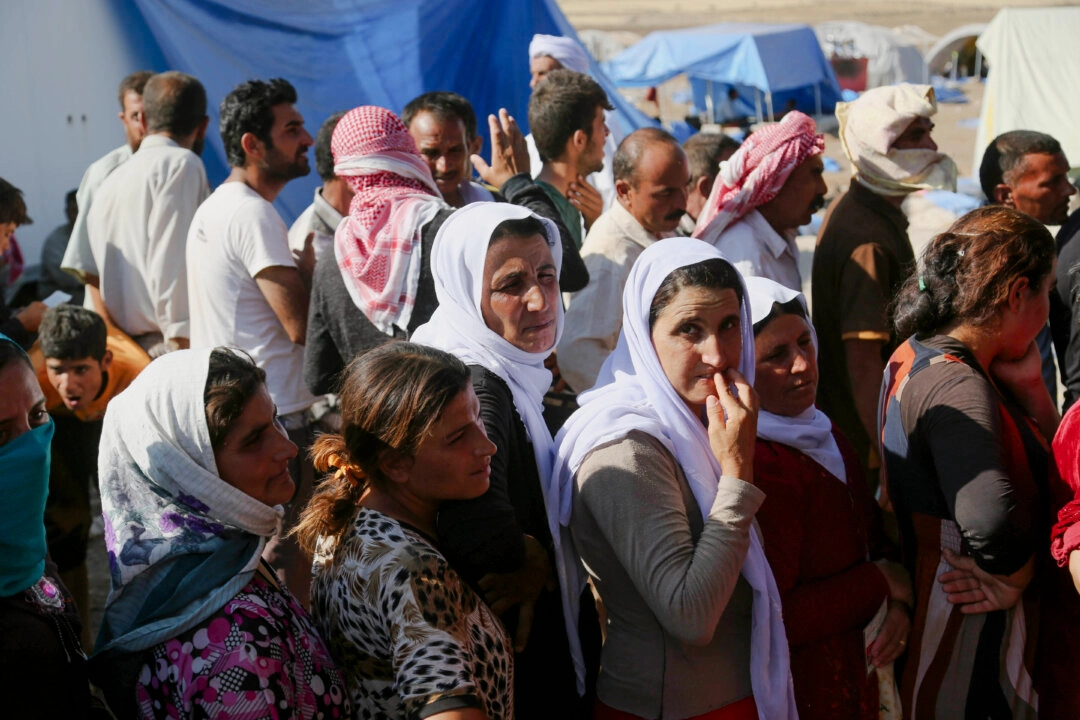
[193, 467]
[661, 453]
[496, 269]
[821, 527]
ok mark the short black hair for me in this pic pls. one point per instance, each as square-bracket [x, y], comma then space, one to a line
[173, 102]
[703, 152]
[562, 103]
[135, 82]
[249, 109]
[524, 227]
[628, 155]
[12, 205]
[1006, 154]
[444, 106]
[69, 332]
[712, 274]
[324, 158]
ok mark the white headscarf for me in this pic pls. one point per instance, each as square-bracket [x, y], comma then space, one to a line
[809, 432]
[566, 50]
[633, 393]
[166, 508]
[457, 326]
[872, 123]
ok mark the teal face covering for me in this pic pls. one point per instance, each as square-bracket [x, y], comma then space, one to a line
[24, 486]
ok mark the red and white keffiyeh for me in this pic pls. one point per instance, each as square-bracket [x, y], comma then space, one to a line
[378, 245]
[756, 172]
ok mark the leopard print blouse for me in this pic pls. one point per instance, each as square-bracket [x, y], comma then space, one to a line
[410, 637]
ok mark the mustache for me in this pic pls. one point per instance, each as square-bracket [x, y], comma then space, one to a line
[675, 215]
[819, 202]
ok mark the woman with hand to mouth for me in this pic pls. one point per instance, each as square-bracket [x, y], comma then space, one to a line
[661, 454]
[410, 636]
[820, 526]
[496, 269]
[194, 469]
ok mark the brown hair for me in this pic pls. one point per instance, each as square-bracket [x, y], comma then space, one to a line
[713, 274]
[391, 397]
[232, 379]
[12, 205]
[967, 270]
[562, 103]
[135, 82]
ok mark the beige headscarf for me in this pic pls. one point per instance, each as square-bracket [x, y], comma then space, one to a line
[872, 123]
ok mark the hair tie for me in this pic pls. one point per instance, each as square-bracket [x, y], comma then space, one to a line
[343, 470]
[922, 284]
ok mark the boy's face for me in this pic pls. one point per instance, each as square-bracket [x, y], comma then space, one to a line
[78, 381]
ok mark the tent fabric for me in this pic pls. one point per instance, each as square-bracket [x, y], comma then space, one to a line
[784, 60]
[343, 53]
[892, 58]
[938, 56]
[1032, 78]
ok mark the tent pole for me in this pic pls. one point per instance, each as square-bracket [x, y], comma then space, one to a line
[710, 109]
[757, 105]
[978, 64]
[817, 99]
[768, 104]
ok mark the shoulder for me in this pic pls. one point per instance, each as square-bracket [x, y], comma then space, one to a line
[635, 454]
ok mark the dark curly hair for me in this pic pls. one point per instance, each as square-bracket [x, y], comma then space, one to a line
[249, 109]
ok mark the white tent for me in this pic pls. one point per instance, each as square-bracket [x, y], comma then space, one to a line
[1033, 70]
[940, 55]
[892, 57]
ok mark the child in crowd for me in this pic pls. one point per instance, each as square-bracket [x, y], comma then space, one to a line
[81, 366]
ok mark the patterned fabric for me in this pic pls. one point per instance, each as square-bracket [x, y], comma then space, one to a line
[181, 541]
[404, 628]
[258, 657]
[755, 173]
[955, 660]
[870, 125]
[378, 245]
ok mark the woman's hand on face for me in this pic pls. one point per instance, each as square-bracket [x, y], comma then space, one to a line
[977, 591]
[521, 587]
[892, 640]
[899, 581]
[1020, 376]
[733, 424]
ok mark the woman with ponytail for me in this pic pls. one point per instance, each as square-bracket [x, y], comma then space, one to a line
[409, 635]
[966, 422]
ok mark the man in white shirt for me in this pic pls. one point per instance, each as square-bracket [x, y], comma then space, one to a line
[651, 179]
[332, 198]
[78, 258]
[246, 287]
[769, 187]
[139, 220]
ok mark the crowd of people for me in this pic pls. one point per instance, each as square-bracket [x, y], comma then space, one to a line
[551, 436]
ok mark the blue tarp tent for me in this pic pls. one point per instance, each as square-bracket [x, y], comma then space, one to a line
[64, 61]
[768, 64]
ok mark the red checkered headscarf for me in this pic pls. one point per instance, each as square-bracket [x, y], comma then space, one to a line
[755, 173]
[378, 245]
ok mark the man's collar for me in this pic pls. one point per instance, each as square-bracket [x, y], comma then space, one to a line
[632, 228]
[766, 233]
[158, 140]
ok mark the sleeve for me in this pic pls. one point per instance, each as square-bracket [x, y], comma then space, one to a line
[483, 535]
[592, 323]
[322, 359]
[631, 489]
[1065, 536]
[263, 239]
[1068, 290]
[864, 278]
[820, 608]
[78, 255]
[950, 406]
[178, 197]
[522, 190]
[431, 651]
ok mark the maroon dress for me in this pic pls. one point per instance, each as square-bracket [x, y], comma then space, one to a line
[819, 533]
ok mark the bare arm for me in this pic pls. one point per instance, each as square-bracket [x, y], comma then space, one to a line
[865, 368]
[283, 288]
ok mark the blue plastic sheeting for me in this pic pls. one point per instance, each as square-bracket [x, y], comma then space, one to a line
[785, 60]
[343, 53]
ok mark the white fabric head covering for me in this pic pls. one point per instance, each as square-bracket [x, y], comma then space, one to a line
[872, 123]
[633, 393]
[566, 50]
[809, 432]
[457, 326]
[165, 507]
